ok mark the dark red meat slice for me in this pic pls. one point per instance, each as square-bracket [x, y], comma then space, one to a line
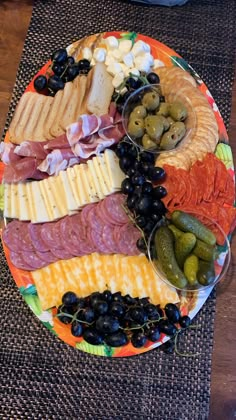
[113, 205]
[69, 237]
[46, 256]
[20, 170]
[127, 238]
[108, 239]
[85, 212]
[33, 260]
[62, 254]
[16, 236]
[99, 243]
[35, 235]
[50, 234]
[19, 262]
[103, 214]
[94, 221]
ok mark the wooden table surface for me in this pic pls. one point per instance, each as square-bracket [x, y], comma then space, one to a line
[14, 21]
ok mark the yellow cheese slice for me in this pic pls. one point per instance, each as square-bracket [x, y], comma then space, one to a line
[95, 272]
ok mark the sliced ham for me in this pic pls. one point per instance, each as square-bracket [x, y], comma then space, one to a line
[20, 170]
[31, 149]
[58, 160]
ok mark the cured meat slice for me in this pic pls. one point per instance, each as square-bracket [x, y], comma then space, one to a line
[62, 254]
[103, 214]
[99, 243]
[113, 205]
[85, 212]
[127, 237]
[94, 221]
[50, 234]
[16, 236]
[20, 170]
[46, 256]
[35, 235]
[69, 238]
[109, 240]
[33, 260]
[18, 261]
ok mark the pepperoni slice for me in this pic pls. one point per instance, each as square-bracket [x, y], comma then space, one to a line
[62, 254]
[104, 215]
[85, 212]
[35, 235]
[19, 262]
[94, 221]
[46, 256]
[69, 237]
[113, 205]
[99, 243]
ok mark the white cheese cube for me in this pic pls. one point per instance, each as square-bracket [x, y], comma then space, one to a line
[111, 42]
[133, 72]
[118, 79]
[139, 47]
[99, 55]
[142, 64]
[114, 68]
[117, 54]
[128, 59]
[125, 45]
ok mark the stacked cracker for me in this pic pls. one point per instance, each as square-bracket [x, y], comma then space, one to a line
[178, 85]
[39, 117]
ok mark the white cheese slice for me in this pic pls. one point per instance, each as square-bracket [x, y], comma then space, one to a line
[81, 170]
[95, 180]
[24, 207]
[69, 194]
[77, 183]
[98, 162]
[46, 196]
[88, 183]
[14, 201]
[39, 213]
[59, 196]
[73, 181]
[7, 200]
[115, 173]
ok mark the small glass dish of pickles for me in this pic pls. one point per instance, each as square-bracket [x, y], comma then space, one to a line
[189, 252]
[153, 124]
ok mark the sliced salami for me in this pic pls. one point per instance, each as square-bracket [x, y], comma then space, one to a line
[16, 236]
[99, 243]
[62, 254]
[32, 259]
[104, 215]
[127, 237]
[46, 256]
[69, 238]
[79, 228]
[94, 221]
[50, 234]
[109, 240]
[35, 235]
[113, 207]
[19, 262]
[85, 212]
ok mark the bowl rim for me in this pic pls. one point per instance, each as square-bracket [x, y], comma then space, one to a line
[135, 143]
[201, 289]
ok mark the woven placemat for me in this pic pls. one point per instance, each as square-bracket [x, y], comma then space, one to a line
[43, 378]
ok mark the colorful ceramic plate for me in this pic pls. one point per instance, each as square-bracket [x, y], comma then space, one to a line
[191, 303]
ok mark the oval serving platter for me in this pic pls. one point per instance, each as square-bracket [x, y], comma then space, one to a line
[190, 304]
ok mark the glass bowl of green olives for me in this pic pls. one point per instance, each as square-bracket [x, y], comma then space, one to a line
[189, 252]
[153, 124]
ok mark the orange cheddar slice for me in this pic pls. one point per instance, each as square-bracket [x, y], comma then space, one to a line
[91, 273]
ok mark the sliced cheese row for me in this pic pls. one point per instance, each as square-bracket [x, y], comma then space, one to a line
[66, 193]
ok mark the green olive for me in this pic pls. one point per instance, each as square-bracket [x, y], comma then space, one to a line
[136, 127]
[165, 122]
[151, 100]
[154, 127]
[163, 109]
[170, 121]
[178, 111]
[148, 143]
[138, 112]
[172, 137]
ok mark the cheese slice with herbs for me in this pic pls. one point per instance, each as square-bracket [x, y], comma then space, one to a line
[56, 196]
[95, 272]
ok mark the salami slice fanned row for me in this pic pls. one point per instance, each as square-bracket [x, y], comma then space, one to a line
[103, 228]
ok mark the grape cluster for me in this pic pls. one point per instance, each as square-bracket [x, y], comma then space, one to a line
[113, 319]
[64, 69]
[131, 84]
[143, 195]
